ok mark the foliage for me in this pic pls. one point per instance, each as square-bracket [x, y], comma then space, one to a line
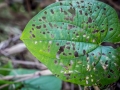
[67, 37]
[40, 83]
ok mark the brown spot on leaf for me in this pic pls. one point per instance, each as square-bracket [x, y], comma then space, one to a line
[44, 18]
[61, 3]
[38, 27]
[95, 31]
[80, 12]
[44, 26]
[70, 4]
[61, 9]
[68, 47]
[65, 12]
[82, 6]
[45, 12]
[50, 25]
[90, 20]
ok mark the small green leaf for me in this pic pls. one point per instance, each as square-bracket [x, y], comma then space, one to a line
[67, 37]
[41, 83]
[6, 66]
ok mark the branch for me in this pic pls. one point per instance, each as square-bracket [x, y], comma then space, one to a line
[27, 63]
[115, 5]
[2, 5]
[96, 87]
[14, 49]
[6, 43]
[38, 73]
[25, 77]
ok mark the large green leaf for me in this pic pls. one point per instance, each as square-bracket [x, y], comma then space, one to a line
[67, 37]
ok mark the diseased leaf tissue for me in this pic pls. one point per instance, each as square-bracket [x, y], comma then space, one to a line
[67, 37]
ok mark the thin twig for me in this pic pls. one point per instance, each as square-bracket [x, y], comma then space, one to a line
[25, 77]
[6, 43]
[38, 73]
[115, 5]
[14, 49]
[72, 86]
[3, 86]
[80, 88]
[28, 7]
[25, 62]
[2, 5]
[96, 87]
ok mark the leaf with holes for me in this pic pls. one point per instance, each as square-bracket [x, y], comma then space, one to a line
[69, 37]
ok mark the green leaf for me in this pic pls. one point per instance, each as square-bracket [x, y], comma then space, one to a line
[6, 66]
[67, 37]
[41, 83]
[21, 71]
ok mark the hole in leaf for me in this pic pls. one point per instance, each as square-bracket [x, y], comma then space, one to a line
[61, 9]
[111, 29]
[33, 25]
[80, 12]
[52, 36]
[44, 26]
[38, 27]
[72, 11]
[40, 20]
[90, 20]
[44, 18]
[95, 31]
[50, 25]
[70, 53]
[52, 11]
[84, 52]
[102, 31]
[57, 44]
[82, 6]
[76, 54]
[86, 14]
[106, 62]
[64, 54]
[65, 12]
[104, 8]
[56, 62]
[33, 35]
[70, 27]
[109, 76]
[68, 43]
[111, 71]
[61, 3]
[68, 47]
[77, 2]
[98, 7]
[70, 4]
[45, 12]
[43, 32]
